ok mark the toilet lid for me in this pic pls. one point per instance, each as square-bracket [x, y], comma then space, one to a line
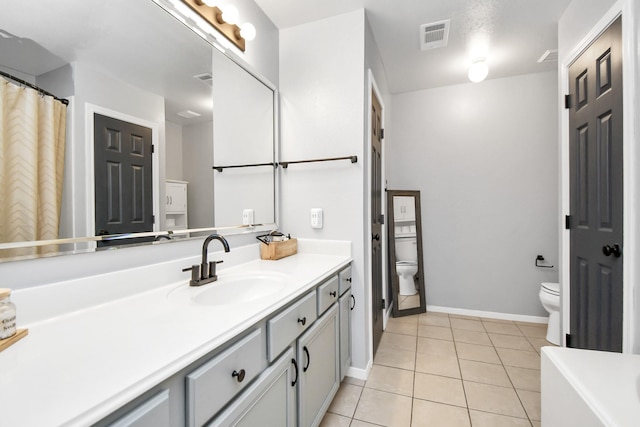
[552, 288]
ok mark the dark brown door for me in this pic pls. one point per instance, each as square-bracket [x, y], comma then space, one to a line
[595, 122]
[123, 179]
[377, 308]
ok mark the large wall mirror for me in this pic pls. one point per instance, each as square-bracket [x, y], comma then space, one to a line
[134, 62]
[405, 252]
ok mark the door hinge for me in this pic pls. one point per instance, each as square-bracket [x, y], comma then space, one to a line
[568, 340]
[153, 219]
[567, 222]
[567, 101]
[153, 148]
[381, 219]
[381, 133]
[383, 304]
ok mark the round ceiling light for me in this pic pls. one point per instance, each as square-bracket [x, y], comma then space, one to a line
[478, 70]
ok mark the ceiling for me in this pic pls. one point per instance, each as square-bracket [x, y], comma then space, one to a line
[511, 34]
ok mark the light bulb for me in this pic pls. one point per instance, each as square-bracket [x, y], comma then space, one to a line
[478, 71]
[230, 14]
[248, 31]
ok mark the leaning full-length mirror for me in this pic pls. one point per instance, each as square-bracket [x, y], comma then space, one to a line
[134, 64]
[405, 252]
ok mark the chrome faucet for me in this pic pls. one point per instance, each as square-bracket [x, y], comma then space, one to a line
[206, 271]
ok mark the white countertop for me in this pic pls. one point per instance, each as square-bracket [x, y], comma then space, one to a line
[76, 367]
[608, 383]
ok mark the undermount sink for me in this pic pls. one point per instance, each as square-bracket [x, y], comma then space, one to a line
[231, 289]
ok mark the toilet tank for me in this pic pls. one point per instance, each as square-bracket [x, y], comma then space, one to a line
[406, 247]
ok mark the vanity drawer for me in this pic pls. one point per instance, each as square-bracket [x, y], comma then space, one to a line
[345, 280]
[284, 328]
[327, 294]
[213, 384]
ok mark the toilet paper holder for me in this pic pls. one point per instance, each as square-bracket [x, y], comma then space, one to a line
[541, 258]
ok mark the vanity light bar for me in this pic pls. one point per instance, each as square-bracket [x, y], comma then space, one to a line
[213, 15]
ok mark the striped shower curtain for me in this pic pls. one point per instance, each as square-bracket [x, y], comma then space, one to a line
[32, 144]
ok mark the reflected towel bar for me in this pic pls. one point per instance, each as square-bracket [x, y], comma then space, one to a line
[221, 168]
[354, 159]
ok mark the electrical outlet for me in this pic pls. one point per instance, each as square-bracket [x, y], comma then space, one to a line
[248, 217]
[316, 218]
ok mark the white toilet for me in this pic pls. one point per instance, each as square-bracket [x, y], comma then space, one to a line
[406, 262]
[550, 299]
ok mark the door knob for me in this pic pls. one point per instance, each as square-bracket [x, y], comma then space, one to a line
[376, 237]
[614, 250]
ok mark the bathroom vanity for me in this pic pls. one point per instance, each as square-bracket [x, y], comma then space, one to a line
[267, 344]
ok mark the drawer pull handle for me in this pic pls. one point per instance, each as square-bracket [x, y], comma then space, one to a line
[349, 280]
[239, 375]
[333, 294]
[306, 351]
[303, 321]
[354, 302]
[295, 365]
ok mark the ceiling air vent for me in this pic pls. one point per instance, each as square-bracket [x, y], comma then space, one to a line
[206, 78]
[434, 34]
[549, 56]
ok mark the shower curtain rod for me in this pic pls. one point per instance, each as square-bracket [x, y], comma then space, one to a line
[32, 86]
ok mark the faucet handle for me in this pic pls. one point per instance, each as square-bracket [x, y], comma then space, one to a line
[195, 273]
[212, 268]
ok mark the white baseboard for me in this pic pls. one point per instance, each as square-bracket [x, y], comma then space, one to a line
[488, 314]
[360, 374]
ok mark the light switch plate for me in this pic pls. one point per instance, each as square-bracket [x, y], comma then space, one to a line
[248, 217]
[316, 218]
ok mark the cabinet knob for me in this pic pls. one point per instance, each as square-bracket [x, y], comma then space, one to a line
[303, 321]
[333, 294]
[349, 280]
[239, 375]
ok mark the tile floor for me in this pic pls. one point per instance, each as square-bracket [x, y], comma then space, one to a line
[435, 369]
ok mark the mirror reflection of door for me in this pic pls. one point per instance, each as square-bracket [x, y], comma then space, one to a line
[405, 252]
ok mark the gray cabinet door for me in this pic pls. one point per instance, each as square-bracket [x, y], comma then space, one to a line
[345, 333]
[319, 368]
[270, 401]
[152, 413]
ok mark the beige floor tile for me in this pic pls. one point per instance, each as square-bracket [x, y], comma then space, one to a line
[519, 358]
[538, 343]
[427, 414]
[494, 399]
[439, 389]
[333, 420]
[396, 358]
[485, 373]
[434, 346]
[506, 328]
[523, 378]
[533, 423]
[403, 342]
[531, 330]
[406, 319]
[471, 337]
[408, 301]
[353, 381]
[437, 332]
[438, 365]
[393, 380]
[479, 353]
[467, 324]
[399, 327]
[346, 399]
[358, 423]
[485, 419]
[531, 402]
[384, 408]
[510, 341]
[434, 319]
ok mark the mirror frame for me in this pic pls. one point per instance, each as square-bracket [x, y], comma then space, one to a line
[422, 308]
[215, 41]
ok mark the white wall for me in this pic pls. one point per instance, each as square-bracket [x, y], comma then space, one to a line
[582, 21]
[484, 157]
[197, 169]
[173, 151]
[322, 98]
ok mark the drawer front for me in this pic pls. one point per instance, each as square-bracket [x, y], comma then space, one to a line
[213, 384]
[152, 413]
[284, 328]
[327, 294]
[345, 280]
